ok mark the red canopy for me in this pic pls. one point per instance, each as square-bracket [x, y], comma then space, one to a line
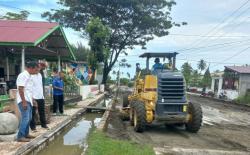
[38, 38]
[24, 31]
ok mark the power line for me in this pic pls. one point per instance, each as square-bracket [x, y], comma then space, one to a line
[232, 28]
[210, 36]
[234, 55]
[232, 21]
[223, 21]
[201, 51]
[195, 48]
[211, 62]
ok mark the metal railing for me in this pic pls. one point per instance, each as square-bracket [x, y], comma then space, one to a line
[69, 91]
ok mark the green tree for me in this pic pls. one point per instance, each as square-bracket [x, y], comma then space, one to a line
[186, 70]
[98, 36]
[81, 52]
[201, 65]
[132, 22]
[206, 80]
[195, 78]
[124, 81]
[110, 81]
[128, 74]
[22, 15]
[123, 63]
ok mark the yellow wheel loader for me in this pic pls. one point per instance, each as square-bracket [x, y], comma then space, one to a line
[160, 96]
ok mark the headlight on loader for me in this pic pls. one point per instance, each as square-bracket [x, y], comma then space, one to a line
[184, 108]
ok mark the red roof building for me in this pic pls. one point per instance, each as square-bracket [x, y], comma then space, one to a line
[39, 35]
[24, 31]
[31, 39]
[239, 69]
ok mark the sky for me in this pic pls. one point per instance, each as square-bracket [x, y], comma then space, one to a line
[217, 31]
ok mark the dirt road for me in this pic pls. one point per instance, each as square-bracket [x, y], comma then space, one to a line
[225, 130]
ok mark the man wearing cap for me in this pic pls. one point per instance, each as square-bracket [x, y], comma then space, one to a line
[38, 96]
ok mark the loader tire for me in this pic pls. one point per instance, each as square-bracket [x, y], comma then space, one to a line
[139, 116]
[194, 123]
[131, 116]
[125, 101]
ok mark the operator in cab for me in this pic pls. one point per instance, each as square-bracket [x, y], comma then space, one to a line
[157, 65]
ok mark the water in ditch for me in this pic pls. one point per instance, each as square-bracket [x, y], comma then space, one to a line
[72, 141]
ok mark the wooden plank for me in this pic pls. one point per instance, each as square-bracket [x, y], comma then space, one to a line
[96, 108]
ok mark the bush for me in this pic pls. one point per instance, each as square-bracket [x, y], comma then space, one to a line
[244, 99]
[124, 81]
[130, 84]
[110, 81]
[95, 82]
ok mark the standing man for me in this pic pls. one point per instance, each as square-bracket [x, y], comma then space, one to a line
[58, 93]
[38, 96]
[24, 100]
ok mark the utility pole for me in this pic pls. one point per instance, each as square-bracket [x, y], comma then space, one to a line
[118, 82]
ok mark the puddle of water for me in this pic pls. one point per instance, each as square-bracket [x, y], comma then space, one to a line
[73, 139]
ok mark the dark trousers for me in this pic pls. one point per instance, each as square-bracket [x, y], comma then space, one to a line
[58, 102]
[41, 112]
[33, 119]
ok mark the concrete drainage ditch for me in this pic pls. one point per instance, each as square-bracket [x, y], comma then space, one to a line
[71, 137]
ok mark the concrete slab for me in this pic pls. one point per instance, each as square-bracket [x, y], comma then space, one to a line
[8, 138]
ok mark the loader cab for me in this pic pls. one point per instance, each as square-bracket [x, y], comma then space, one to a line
[170, 66]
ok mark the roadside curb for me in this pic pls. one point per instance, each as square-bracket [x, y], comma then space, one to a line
[103, 125]
[74, 99]
[43, 140]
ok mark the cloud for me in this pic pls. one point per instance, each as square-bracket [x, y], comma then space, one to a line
[42, 1]
[46, 2]
[74, 37]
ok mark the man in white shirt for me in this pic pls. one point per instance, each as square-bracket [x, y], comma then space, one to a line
[39, 98]
[24, 100]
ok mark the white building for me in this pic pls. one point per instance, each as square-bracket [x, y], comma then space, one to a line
[233, 82]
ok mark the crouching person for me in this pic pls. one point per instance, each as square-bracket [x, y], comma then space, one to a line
[24, 100]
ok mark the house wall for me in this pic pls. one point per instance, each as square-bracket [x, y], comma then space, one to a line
[244, 81]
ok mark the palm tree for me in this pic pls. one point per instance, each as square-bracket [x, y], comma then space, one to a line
[202, 65]
[186, 70]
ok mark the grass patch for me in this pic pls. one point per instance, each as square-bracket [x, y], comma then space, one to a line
[100, 144]
[243, 99]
